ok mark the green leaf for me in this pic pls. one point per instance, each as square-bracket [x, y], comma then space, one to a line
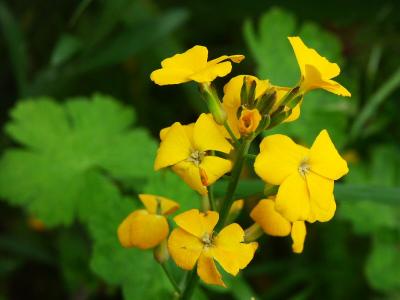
[374, 102]
[15, 43]
[383, 265]
[374, 213]
[61, 144]
[270, 46]
[67, 46]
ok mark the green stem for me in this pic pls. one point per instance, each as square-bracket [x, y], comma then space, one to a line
[236, 171]
[211, 198]
[231, 133]
[171, 278]
[190, 285]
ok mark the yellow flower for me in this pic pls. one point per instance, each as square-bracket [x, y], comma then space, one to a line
[146, 228]
[273, 223]
[306, 176]
[194, 241]
[316, 70]
[193, 65]
[232, 99]
[187, 150]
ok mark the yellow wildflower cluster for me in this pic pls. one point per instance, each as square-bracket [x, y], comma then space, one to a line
[216, 144]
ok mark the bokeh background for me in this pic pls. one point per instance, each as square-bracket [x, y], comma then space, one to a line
[80, 121]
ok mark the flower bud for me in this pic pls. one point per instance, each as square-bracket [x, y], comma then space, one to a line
[161, 253]
[249, 121]
[248, 92]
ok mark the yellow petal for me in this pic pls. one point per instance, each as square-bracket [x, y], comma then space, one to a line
[279, 158]
[232, 120]
[316, 70]
[230, 251]
[217, 67]
[143, 230]
[324, 158]
[188, 128]
[292, 200]
[214, 168]
[315, 80]
[190, 173]
[207, 135]
[298, 236]
[197, 223]
[208, 272]
[237, 206]
[307, 56]
[184, 248]
[295, 113]
[322, 202]
[272, 222]
[151, 202]
[210, 72]
[174, 148]
[178, 68]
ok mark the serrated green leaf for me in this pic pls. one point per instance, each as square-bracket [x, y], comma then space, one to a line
[61, 145]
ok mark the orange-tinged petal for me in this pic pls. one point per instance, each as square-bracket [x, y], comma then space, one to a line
[322, 202]
[214, 168]
[324, 158]
[249, 121]
[208, 136]
[151, 202]
[272, 222]
[184, 248]
[178, 68]
[293, 200]
[336, 88]
[174, 148]
[207, 270]
[230, 251]
[279, 158]
[143, 230]
[197, 223]
[190, 173]
[298, 236]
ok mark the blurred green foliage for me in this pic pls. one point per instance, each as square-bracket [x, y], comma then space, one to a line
[78, 162]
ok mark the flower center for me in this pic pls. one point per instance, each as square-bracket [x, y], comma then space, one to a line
[207, 239]
[196, 157]
[304, 168]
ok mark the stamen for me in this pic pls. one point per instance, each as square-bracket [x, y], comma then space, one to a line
[207, 239]
[196, 157]
[304, 168]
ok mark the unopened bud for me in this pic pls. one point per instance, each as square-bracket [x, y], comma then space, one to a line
[161, 253]
[249, 121]
[253, 233]
[278, 117]
[293, 103]
[248, 92]
[266, 102]
[213, 103]
[290, 95]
